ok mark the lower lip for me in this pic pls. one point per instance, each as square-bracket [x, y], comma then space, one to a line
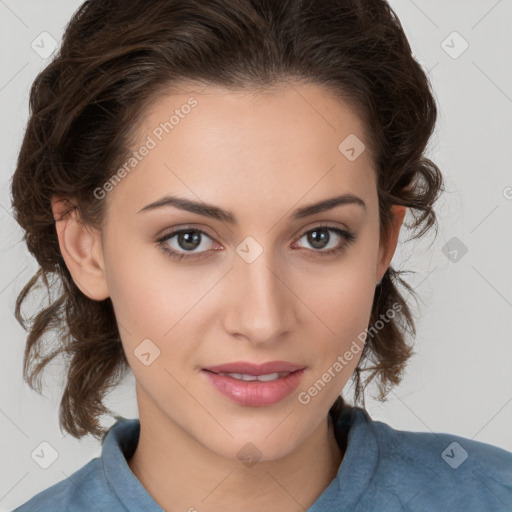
[254, 393]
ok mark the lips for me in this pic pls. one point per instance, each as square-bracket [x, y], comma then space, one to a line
[255, 385]
[247, 368]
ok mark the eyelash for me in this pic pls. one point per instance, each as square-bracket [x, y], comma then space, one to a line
[347, 235]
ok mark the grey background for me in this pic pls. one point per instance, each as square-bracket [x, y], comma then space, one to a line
[460, 381]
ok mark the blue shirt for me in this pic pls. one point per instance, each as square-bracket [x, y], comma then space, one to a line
[383, 469]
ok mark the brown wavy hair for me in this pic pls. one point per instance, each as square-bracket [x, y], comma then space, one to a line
[118, 56]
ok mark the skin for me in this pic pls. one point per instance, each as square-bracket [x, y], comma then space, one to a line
[260, 156]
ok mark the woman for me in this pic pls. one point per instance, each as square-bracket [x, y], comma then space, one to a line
[219, 188]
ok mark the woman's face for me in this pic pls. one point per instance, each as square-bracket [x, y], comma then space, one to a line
[263, 277]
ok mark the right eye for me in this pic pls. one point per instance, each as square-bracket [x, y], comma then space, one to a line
[186, 241]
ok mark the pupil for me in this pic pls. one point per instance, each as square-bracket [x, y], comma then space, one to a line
[187, 238]
[318, 238]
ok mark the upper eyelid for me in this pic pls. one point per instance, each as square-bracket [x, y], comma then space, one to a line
[176, 231]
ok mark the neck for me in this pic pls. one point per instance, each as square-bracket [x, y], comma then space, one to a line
[182, 474]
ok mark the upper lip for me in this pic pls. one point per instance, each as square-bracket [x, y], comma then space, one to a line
[247, 368]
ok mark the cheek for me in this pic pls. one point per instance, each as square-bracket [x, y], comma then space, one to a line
[149, 293]
[342, 300]
[156, 300]
[149, 310]
[342, 296]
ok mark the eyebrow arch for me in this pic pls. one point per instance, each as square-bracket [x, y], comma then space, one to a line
[214, 212]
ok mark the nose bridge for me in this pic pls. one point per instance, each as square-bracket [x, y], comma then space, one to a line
[261, 306]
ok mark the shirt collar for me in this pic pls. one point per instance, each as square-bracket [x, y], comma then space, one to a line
[358, 465]
[119, 445]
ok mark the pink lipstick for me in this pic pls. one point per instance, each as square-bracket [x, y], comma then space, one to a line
[255, 385]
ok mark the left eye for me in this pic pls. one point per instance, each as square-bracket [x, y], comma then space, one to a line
[319, 238]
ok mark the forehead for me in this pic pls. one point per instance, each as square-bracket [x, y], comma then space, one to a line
[248, 147]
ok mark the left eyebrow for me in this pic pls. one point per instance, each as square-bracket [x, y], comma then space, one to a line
[329, 204]
[214, 212]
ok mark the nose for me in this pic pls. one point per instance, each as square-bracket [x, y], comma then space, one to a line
[261, 304]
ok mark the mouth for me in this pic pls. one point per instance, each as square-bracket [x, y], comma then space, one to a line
[269, 377]
[255, 385]
[252, 369]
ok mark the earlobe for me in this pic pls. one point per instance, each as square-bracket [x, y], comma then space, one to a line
[388, 245]
[81, 249]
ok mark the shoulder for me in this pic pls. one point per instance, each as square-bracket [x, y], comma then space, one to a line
[85, 489]
[438, 469]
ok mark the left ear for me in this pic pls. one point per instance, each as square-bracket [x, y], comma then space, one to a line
[390, 240]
